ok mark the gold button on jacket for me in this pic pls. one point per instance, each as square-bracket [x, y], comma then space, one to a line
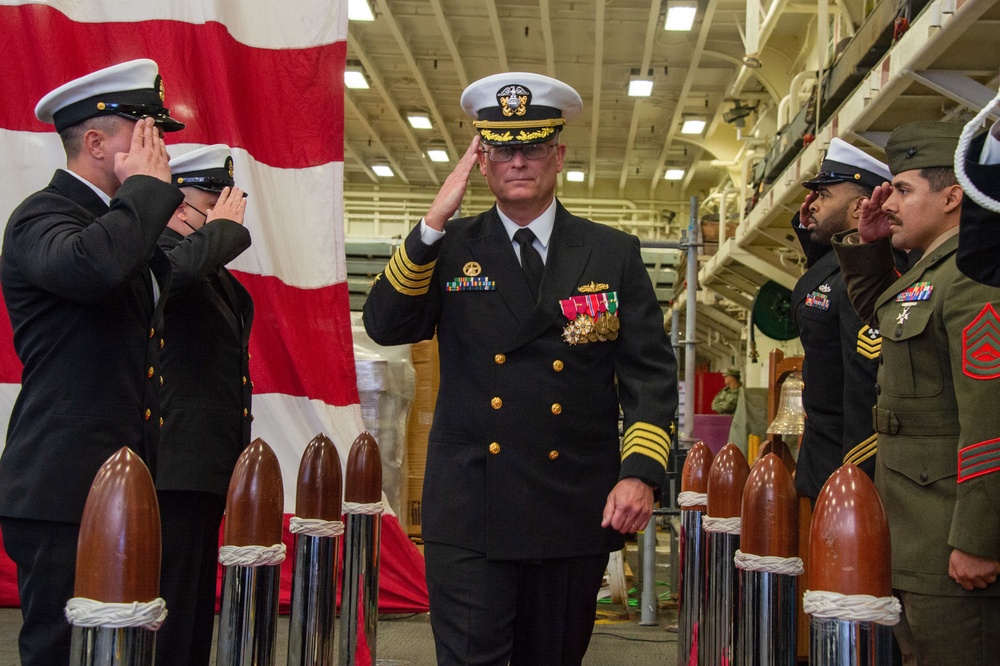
[553, 454]
[499, 359]
[556, 408]
[496, 403]
[494, 448]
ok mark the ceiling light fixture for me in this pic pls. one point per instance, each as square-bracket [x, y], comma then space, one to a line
[382, 170]
[354, 78]
[437, 154]
[680, 15]
[639, 87]
[575, 175]
[419, 120]
[673, 174]
[693, 126]
[359, 10]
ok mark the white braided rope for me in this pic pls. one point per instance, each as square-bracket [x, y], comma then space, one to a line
[790, 566]
[857, 607]
[83, 612]
[724, 525]
[962, 149]
[688, 498]
[252, 556]
[315, 527]
[375, 509]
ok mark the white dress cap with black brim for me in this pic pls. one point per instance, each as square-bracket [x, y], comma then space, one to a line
[132, 89]
[846, 164]
[519, 107]
[209, 168]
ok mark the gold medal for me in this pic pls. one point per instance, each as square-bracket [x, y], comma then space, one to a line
[601, 325]
[592, 336]
[602, 338]
[612, 335]
[613, 324]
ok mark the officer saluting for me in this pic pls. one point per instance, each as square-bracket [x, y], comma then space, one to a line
[83, 280]
[841, 351]
[938, 465]
[537, 313]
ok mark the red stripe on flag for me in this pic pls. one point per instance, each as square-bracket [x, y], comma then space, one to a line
[283, 106]
[10, 365]
[301, 342]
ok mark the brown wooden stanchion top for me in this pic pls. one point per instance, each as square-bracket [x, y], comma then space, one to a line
[118, 554]
[726, 479]
[770, 517]
[255, 503]
[319, 488]
[363, 483]
[694, 476]
[849, 537]
[777, 446]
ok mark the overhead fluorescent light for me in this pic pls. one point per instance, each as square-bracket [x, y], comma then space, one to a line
[693, 126]
[437, 154]
[359, 10]
[419, 120]
[673, 174]
[680, 16]
[382, 170]
[575, 175]
[354, 78]
[640, 87]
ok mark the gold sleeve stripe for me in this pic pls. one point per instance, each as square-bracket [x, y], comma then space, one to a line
[655, 454]
[649, 430]
[862, 451]
[406, 277]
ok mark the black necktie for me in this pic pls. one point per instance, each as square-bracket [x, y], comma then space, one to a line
[531, 261]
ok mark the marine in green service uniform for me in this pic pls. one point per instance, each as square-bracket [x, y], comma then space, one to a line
[938, 468]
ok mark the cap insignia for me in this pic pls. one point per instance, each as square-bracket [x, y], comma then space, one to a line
[159, 86]
[229, 166]
[490, 135]
[514, 100]
[911, 152]
[534, 136]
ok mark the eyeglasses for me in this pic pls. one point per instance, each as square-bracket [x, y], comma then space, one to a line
[205, 215]
[531, 151]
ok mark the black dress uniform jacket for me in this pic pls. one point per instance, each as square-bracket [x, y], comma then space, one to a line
[938, 463]
[524, 447]
[838, 371]
[978, 242]
[76, 279]
[207, 387]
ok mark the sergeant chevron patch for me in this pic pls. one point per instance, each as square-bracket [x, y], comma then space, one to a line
[979, 459]
[869, 342]
[981, 345]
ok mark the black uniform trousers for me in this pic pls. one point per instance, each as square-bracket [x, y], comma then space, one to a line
[45, 554]
[525, 612]
[190, 523]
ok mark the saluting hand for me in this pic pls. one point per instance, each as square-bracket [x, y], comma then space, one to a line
[874, 222]
[972, 571]
[629, 506]
[230, 206]
[146, 156]
[449, 197]
[804, 212]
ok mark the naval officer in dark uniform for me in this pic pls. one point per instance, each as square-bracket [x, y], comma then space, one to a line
[547, 323]
[206, 395]
[841, 351]
[938, 464]
[978, 238]
[84, 285]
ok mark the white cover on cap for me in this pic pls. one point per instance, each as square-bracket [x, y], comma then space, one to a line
[132, 75]
[845, 153]
[545, 91]
[209, 157]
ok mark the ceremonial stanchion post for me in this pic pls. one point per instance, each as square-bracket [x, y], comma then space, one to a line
[768, 566]
[850, 575]
[317, 527]
[251, 556]
[693, 500]
[116, 608]
[726, 479]
[363, 511]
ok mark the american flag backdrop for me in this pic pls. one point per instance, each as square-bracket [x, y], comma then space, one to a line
[265, 78]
